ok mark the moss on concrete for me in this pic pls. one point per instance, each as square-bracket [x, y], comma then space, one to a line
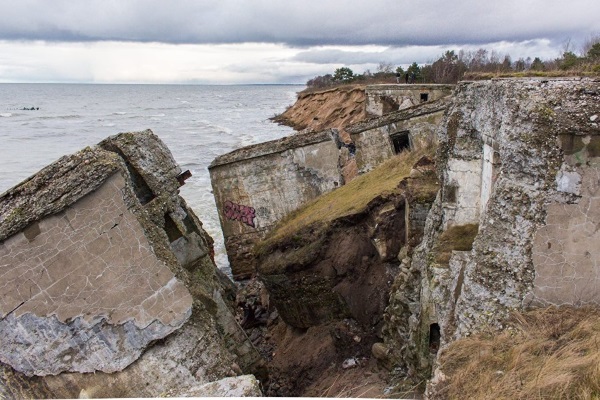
[349, 199]
[455, 238]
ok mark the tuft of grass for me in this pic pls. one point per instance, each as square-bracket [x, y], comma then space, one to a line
[349, 199]
[551, 353]
[457, 237]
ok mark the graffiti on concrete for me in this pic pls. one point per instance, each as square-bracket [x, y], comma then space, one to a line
[238, 212]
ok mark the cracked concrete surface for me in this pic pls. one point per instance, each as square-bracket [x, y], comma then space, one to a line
[92, 264]
[565, 256]
[84, 262]
[105, 269]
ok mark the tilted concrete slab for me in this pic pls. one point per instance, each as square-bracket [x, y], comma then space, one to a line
[82, 288]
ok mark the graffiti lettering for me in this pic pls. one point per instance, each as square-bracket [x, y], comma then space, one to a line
[237, 212]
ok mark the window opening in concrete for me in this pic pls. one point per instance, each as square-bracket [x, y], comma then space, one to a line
[173, 232]
[400, 141]
[451, 193]
[434, 338]
[190, 226]
[424, 97]
[351, 148]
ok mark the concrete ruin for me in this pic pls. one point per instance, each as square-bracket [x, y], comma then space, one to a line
[256, 186]
[518, 161]
[380, 138]
[386, 98]
[101, 259]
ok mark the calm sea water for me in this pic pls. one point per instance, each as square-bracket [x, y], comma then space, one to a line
[198, 123]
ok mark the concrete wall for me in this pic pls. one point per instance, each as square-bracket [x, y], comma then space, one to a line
[372, 137]
[101, 259]
[528, 176]
[565, 249]
[256, 186]
[81, 265]
[383, 99]
[520, 162]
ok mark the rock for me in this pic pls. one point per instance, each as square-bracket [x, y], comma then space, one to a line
[349, 363]
[104, 264]
[517, 159]
[382, 353]
[239, 386]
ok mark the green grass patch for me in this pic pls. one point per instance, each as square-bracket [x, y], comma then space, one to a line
[458, 237]
[349, 199]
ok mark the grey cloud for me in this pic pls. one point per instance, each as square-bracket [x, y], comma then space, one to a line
[423, 54]
[298, 22]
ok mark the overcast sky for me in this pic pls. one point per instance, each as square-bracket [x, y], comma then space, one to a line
[269, 41]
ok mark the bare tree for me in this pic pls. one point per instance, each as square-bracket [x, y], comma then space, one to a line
[589, 43]
[386, 68]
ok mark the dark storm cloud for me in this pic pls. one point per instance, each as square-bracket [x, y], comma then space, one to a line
[299, 23]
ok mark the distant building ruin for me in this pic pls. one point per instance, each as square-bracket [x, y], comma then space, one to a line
[385, 99]
[380, 138]
[256, 186]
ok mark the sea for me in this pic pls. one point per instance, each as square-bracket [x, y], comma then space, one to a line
[40, 123]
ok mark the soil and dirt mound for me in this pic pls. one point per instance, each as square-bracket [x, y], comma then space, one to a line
[316, 308]
[328, 360]
[332, 108]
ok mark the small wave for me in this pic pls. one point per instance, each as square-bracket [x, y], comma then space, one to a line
[108, 125]
[5, 115]
[221, 129]
[60, 117]
[157, 115]
[119, 113]
[159, 108]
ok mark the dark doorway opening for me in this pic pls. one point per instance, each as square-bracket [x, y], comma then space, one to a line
[424, 97]
[171, 229]
[400, 141]
[434, 338]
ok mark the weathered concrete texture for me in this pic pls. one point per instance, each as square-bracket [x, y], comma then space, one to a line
[518, 158]
[67, 302]
[110, 262]
[95, 249]
[256, 186]
[565, 249]
[240, 386]
[185, 360]
[384, 99]
[373, 138]
[55, 187]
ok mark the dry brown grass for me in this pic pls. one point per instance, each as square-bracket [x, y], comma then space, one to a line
[592, 71]
[349, 199]
[551, 353]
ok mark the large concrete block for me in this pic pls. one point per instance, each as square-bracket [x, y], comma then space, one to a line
[256, 186]
[82, 287]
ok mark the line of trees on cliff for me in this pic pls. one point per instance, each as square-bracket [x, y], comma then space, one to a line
[480, 64]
